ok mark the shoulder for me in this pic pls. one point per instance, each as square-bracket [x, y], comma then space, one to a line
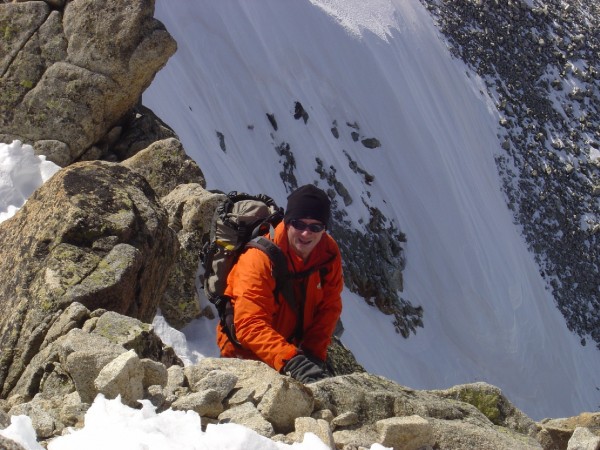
[330, 245]
[253, 260]
[327, 251]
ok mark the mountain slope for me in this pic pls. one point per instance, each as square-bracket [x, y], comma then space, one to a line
[380, 70]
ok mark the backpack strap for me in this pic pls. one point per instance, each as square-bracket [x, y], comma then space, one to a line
[280, 270]
[282, 277]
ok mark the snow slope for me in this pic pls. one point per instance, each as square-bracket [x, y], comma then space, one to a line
[381, 64]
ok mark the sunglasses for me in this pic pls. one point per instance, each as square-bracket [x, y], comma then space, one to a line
[301, 226]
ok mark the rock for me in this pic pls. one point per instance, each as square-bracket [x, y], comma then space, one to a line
[371, 142]
[122, 376]
[218, 380]
[205, 403]
[345, 419]
[556, 433]
[68, 76]
[85, 362]
[155, 373]
[493, 404]
[72, 412]
[93, 234]
[340, 360]
[247, 415]
[407, 433]
[175, 378]
[191, 209]
[133, 334]
[318, 427]
[43, 423]
[165, 165]
[284, 402]
[584, 439]
[75, 358]
[466, 435]
[9, 444]
[279, 399]
[4, 420]
[74, 316]
[255, 376]
[139, 128]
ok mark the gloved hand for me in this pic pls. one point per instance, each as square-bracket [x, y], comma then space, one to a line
[320, 363]
[303, 370]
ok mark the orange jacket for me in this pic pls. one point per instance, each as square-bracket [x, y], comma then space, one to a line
[264, 326]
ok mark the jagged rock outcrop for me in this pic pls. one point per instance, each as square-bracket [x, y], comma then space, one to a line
[85, 354]
[165, 165]
[71, 70]
[89, 353]
[191, 209]
[95, 234]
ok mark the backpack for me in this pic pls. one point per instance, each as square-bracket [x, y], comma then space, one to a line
[240, 222]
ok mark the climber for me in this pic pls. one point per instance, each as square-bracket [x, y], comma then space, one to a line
[293, 342]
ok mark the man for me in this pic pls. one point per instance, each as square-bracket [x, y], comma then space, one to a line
[267, 327]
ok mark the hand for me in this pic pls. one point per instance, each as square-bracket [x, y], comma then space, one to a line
[303, 370]
[312, 358]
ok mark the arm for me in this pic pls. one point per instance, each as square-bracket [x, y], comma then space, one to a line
[317, 335]
[255, 308]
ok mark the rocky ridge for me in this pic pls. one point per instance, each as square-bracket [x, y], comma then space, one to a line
[115, 234]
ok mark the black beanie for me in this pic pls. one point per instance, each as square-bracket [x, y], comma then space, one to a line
[308, 202]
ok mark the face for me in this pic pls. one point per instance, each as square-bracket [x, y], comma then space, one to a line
[303, 241]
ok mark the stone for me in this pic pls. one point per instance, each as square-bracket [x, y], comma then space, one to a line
[407, 433]
[74, 316]
[122, 376]
[255, 377]
[75, 358]
[9, 444]
[72, 412]
[584, 439]
[218, 380]
[205, 403]
[136, 335]
[284, 402]
[43, 423]
[319, 427]
[175, 378]
[4, 420]
[165, 165]
[247, 415]
[345, 419]
[155, 373]
[493, 404]
[140, 127]
[68, 76]
[93, 234]
[191, 209]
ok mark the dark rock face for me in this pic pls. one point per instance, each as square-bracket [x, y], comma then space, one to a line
[540, 64]
[93, 234]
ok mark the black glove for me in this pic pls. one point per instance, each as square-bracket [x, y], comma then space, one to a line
[303, 370]
[312, 358]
